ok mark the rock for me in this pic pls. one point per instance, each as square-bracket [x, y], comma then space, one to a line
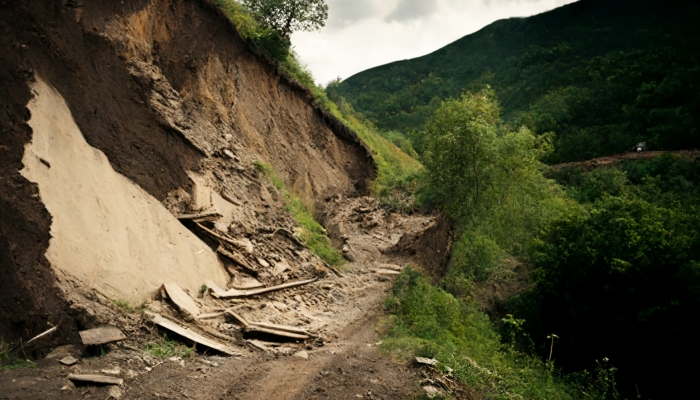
[302, 354]
[263, 263]
[115, 392]
[426, 361]
[431, 391]
[244, 244]
[68, 360]
[229, 154]
[63, 351]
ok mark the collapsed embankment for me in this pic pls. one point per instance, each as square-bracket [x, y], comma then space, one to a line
[171, 107]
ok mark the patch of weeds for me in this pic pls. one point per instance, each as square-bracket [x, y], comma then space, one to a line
[426, 321]
[9, 361]
[312, 233]
[127, 307]
[203, 290]
[165, 348]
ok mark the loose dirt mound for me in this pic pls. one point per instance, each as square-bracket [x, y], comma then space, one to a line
[170, 94]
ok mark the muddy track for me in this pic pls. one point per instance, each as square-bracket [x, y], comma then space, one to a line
[343, 361]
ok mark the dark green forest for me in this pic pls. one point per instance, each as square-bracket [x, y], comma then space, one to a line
[601, 75]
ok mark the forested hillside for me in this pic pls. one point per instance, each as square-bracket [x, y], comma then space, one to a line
[601, 75]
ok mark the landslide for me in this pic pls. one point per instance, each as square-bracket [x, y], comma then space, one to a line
[176, 101]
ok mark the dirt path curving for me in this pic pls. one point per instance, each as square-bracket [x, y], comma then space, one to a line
[344, 361]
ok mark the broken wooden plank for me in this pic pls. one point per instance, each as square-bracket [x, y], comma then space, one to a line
[216, 235]
[244, 293]
[238, 318]
[215, 333]
[240, 260]
[281, 328]
[387, 272]
[102, 335]
[199, 217]
[47, 332]
[183, 301]
[188, 333]
[107, 380]
[253, 328]
[390, 266]
[258, 345]
[212, 315]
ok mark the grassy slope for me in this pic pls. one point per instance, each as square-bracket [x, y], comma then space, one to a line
[599, 74]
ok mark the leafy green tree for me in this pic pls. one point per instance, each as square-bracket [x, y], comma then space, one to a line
[457, 148]
[287, 16]
[615, 279]
[491, 180]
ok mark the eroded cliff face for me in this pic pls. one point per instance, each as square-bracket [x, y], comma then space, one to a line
[173, 107]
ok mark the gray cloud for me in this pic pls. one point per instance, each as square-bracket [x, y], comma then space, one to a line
[345, 12]
[409, 10]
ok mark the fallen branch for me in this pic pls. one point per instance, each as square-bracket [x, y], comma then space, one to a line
[43, 334]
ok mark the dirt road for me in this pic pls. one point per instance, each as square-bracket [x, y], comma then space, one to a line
[344, 361]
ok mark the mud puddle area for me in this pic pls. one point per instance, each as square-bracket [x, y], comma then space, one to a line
[317, 340]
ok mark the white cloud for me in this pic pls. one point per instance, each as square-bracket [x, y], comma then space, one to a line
[410, 10]
[345, 12]
[362, 34]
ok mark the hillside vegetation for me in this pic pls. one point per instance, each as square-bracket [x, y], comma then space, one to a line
[601, 75]
[614, 251]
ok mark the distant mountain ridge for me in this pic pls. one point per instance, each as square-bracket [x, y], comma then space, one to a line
[602, 75]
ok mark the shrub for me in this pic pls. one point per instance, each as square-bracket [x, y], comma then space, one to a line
[165, 348]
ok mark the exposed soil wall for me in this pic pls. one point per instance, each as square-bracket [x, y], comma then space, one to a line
[161, 88]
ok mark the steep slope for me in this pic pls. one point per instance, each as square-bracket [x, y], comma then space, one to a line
[127, 110]
[602, 75]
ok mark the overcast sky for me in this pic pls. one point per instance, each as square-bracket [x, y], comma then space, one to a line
[361, 34]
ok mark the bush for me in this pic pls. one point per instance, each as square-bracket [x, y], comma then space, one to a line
[165, 348]
[426, 321]
[614, 278]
